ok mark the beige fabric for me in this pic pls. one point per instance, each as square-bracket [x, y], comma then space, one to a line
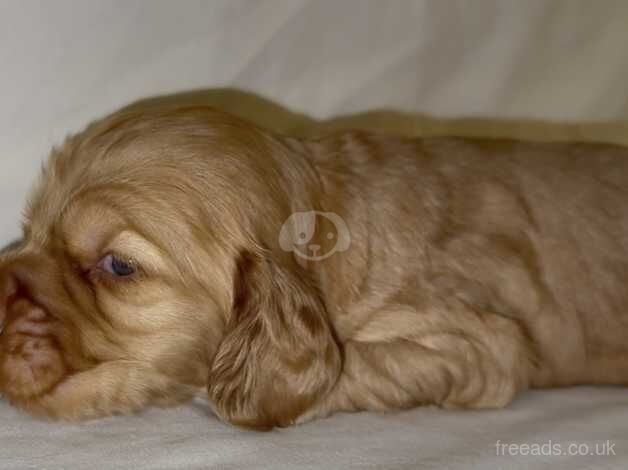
[426, 439]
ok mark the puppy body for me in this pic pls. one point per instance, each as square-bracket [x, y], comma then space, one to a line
[477, 263]
[475, 269]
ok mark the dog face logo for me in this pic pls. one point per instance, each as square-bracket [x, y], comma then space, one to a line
[298, 232]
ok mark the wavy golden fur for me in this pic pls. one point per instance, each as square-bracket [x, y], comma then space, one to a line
[475, 269]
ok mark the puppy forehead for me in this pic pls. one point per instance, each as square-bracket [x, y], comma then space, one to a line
[134, 246]
[92, 229]
[87, 226]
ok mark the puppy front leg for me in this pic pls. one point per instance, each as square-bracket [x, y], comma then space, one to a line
[111, 388]
[482, 367]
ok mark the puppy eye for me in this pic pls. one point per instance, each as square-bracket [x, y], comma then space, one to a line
[116, 266]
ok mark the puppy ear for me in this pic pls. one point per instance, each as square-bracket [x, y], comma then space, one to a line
[279, 354]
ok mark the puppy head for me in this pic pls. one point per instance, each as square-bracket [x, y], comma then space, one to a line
[152, 239]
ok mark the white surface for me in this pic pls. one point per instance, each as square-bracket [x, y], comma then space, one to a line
[188, 438]
[63, 63]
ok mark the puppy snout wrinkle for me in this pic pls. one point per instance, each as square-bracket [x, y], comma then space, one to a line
[18, 285]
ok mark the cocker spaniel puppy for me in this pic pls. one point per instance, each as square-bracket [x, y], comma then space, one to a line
[175, 251]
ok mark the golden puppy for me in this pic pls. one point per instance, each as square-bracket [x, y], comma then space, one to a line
[173, 250]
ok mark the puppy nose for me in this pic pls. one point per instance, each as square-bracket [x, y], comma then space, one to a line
[8, 290]
[314, 247]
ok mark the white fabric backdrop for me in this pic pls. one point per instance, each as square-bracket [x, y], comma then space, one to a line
[66, 62]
